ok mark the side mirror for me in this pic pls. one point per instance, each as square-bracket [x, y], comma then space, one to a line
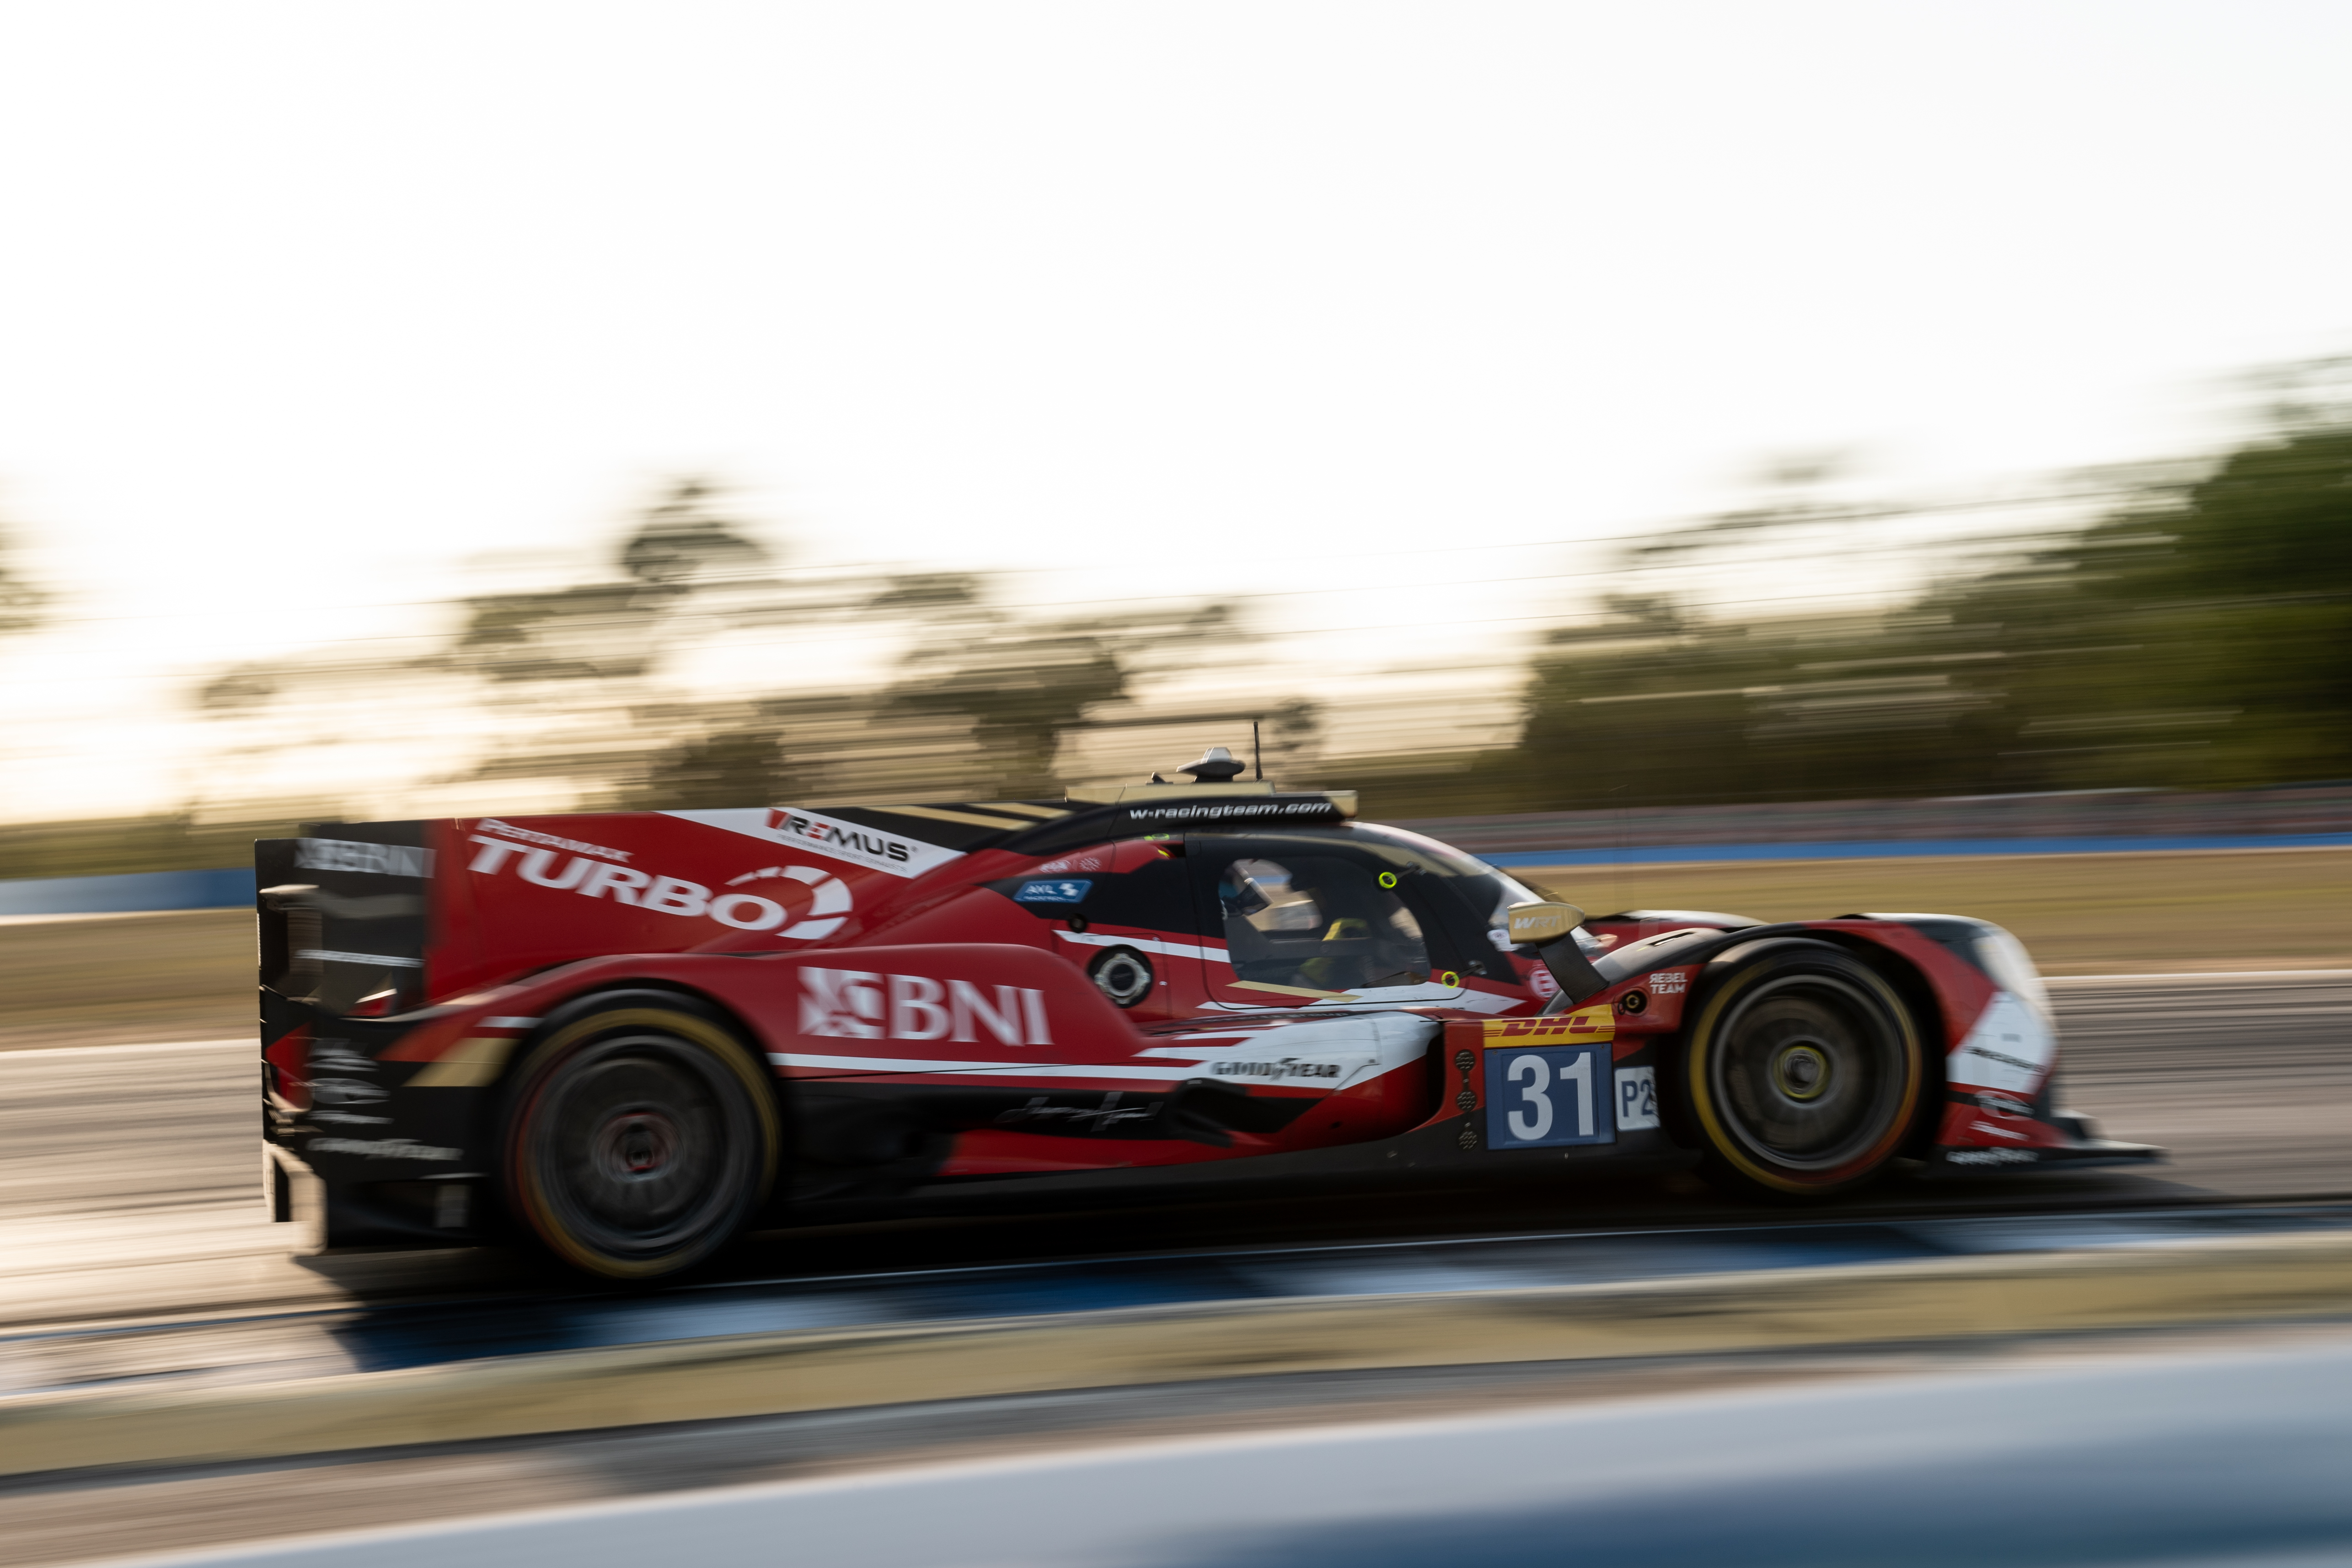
[1535, 924]
[1550, 930]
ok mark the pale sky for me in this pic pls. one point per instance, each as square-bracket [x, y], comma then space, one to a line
[303, 306]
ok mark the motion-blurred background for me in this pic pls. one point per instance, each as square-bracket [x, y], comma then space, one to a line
[1520, 409]
[1789, 457]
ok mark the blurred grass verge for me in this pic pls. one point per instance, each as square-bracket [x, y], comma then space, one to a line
[121, 980]
[116, 979]
[2078, 914]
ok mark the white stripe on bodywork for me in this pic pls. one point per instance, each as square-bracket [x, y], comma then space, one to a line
[2009, 1049]
[1364, 1046]
[1399, 995]
[834, 839]
[1144, 944]
[900, 1064]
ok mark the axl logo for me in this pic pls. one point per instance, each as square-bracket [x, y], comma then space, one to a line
[858, 1004]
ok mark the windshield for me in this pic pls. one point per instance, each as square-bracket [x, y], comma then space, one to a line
[1487, 890]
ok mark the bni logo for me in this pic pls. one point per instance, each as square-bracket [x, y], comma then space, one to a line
[858, 1004]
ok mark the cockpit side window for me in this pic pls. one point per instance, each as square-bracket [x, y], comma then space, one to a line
[1320, 923]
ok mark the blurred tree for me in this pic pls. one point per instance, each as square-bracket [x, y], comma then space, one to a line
[2197, 634]
[1021, 686]
[737, 767]
[22, 601]
[680, 555]
[2219, 615]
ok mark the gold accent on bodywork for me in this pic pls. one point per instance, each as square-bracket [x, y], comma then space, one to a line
[969, 819]
[1291, 991]
[469, 1065]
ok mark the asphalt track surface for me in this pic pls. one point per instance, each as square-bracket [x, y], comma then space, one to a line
[128, 1196]
[129, 1175]
[2233, 1457]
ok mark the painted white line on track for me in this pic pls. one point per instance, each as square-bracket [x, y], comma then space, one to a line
[245, 1041]
[2191, 975]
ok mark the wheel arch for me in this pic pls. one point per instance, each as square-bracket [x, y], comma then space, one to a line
[498, 1104]
[1911, 985]
[1910, 988]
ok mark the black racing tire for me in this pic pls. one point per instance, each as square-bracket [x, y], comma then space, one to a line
[641, 1135]
[1801, 1070]
[1123, 975]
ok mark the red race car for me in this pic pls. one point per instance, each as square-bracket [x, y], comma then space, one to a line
[632, 1035]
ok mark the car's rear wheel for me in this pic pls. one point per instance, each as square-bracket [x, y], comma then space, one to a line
[1802, 1071]
[641, 1137]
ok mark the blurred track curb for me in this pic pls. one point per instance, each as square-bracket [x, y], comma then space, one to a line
[2255, 1280]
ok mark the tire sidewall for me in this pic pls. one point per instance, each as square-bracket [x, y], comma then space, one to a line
[566, 1035]
[1736, 977]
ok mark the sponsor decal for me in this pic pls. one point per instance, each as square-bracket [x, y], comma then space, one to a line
[1288, 1067]
[346, 1092]
[2004, 1105]
[1073, 892]
[828, 836]
[2009, 1049]
[1109, 1113]
[1990, 1156]
[1541, 982]
[858, 1004]
[549, 841]
[1996, 1132]
[332, 1055]
[1579, 1027]
[828, 910]
[1669, 982]
[385, 1149]
[381, 860]
[1637, 1098]
[829, 904]
[1227, 811]
[1070, 863]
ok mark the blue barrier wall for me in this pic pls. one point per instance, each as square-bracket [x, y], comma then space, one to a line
[1899, 849]
[147, 889]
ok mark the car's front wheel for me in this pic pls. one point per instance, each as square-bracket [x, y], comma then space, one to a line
[1802, 1071]
[641, 1136]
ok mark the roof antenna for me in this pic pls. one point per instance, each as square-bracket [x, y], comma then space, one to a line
[1257, 757]
[1217, 767]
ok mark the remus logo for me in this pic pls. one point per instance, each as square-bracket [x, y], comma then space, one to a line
[828, 836]
[824, 830]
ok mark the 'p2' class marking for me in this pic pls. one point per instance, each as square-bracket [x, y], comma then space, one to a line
[1637, 1098]
[1547, 1096]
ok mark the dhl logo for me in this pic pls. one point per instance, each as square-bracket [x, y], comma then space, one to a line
[1580, 1028]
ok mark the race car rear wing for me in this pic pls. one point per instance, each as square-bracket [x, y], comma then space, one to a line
[342, 917]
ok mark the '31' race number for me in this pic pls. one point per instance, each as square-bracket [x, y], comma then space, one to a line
[1546, 1096]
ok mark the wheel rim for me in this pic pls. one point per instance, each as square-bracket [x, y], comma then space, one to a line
[641, 1146]
[1810, 1075]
